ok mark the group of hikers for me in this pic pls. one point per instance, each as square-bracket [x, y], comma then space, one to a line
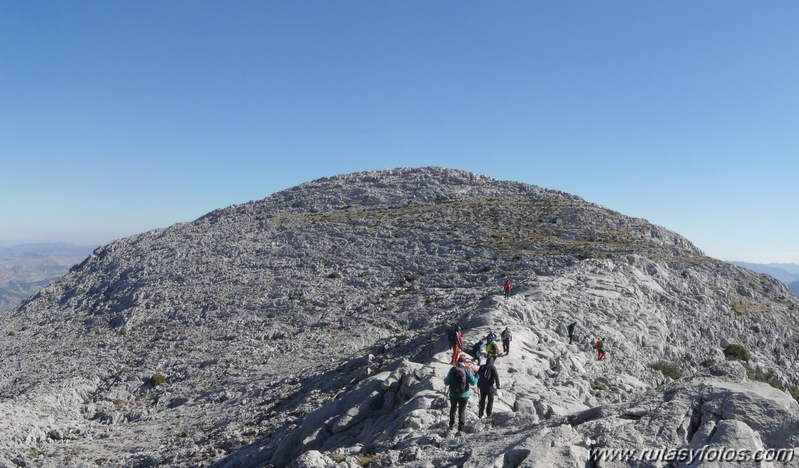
[462, 375]
[486, 378]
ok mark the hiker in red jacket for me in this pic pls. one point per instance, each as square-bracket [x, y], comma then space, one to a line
[455, 343]
[507, 287]
[600, 349]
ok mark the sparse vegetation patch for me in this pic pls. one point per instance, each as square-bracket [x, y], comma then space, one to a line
[668, 369]
[737, 352]
[768, 377]
[157, 379]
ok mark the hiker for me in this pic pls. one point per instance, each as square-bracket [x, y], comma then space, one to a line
[492, 349]
[477, 352]
[570, 329]
[492, 336]
[600, 349]
[506, 339]
[487, 377]
[455, 343]
[458, 379]
[507, 288]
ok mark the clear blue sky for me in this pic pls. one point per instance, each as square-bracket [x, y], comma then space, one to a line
[120, 117]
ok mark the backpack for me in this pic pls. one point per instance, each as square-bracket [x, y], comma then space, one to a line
[453, 337]
[598, 345]
[457, 380]
[477, 349]
[484, 374]
[506, 335]
[492, 348]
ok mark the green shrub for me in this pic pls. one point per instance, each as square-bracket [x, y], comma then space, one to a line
[708, 363]
[768, 377]
[411, 277]
[668, 369]
[736, 351]
[157, 379]
[11, 333]
[794, 391]
[334, 275]
[487, 269]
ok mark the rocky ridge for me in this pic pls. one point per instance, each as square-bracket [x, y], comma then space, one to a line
[307, 329]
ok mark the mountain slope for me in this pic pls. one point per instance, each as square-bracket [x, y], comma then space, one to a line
[310, 323]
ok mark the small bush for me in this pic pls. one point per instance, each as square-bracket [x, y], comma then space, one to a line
[157, 379]
[668, 369]
[768, 377]
[334, 275]
[411, 277]
[794, 391]
[11, 333]
[736, 351]
[708, 363]
[487, 269]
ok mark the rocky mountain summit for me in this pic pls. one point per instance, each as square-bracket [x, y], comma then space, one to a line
[307, 329]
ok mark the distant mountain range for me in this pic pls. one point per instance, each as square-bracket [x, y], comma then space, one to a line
[788, 273]
[25, 269]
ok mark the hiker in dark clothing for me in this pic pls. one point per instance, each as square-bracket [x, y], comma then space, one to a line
[487, 377]
[506, 339]
[458, 379]
[477, 352]
[570, 329]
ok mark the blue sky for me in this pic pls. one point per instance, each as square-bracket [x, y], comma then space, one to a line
[120, 117]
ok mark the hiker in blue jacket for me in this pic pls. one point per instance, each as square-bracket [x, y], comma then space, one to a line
[477, 352]
[458, 379]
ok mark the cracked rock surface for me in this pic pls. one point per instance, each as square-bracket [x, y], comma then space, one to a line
[307, 329]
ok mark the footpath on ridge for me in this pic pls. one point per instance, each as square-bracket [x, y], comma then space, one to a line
[556, 402]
